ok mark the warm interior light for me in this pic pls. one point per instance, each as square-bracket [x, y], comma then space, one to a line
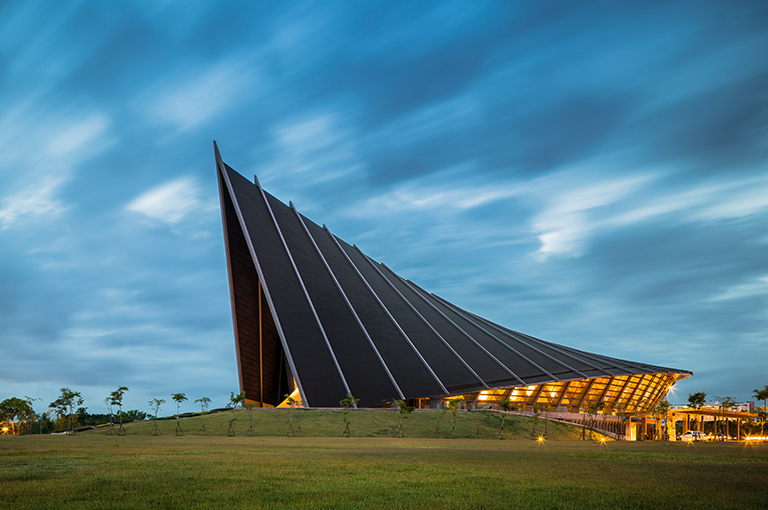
[482, 397]
[295, 395]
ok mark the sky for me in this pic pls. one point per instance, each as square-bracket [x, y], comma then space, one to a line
[591, 173]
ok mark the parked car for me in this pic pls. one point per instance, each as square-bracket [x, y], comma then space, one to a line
[693, 435]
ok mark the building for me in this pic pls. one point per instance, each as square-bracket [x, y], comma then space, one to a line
[316, 317]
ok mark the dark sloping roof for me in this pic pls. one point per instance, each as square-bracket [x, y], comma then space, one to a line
[344, 323]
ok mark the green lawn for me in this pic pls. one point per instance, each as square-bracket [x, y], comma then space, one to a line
[101, 472]
[364, 423]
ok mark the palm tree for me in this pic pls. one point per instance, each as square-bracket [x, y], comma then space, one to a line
[155, 404]
[178, 398]
[696, 400]
[662, 411]
[234, 401]
[762, 395]
[204, 403]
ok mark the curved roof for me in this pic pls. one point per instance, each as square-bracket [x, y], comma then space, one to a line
[309, 305]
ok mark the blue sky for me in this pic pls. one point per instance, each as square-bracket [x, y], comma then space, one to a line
[591, 173]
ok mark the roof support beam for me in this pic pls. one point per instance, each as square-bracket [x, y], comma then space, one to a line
[386, 311]
[303, 287]
[346, 301]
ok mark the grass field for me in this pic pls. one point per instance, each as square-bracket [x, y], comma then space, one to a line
[364, 423]
[96, 471]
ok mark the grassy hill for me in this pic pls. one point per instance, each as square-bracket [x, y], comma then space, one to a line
[363, 423]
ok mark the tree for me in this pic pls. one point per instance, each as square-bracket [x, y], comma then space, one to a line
[507, 407]
[234, 401]
[403, 409]
[762, 415]
[696, 400]
[762, 395]
[453, 407]
[178, 398]
[204, 403]
[292, 404]
[726, 403]
[661, 413]
[440, 415]
[250, 432]
[108, 401]
[621, 411]
[16, 409]
[135, 415]
[116, 399]
[536, 414]
[547, 408]
[64, 407]
[346, 403]
[155, 404]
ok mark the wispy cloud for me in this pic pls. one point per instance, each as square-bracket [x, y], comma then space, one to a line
[48, 147]
[754, 288]
[170, 202]
[195, 94]
[37, 200]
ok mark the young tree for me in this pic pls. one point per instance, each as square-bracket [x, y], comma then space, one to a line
[536, 415]
[108, 401]
[204, 403]
[178, 398]
[116, 399]
[292, 404]
[155, 404]
[250, 432]
[546, 409]
[440, 415]
[65, 405]
[453, 406]
[346, 403]
[234, 401]
[507, 407]
[402, 410]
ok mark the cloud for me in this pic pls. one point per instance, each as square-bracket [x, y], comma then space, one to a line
[49, 147]
[170, 202]
[194, 95]
[37, 200]
[744, 290]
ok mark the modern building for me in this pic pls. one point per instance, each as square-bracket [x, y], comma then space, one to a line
[316, 317]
